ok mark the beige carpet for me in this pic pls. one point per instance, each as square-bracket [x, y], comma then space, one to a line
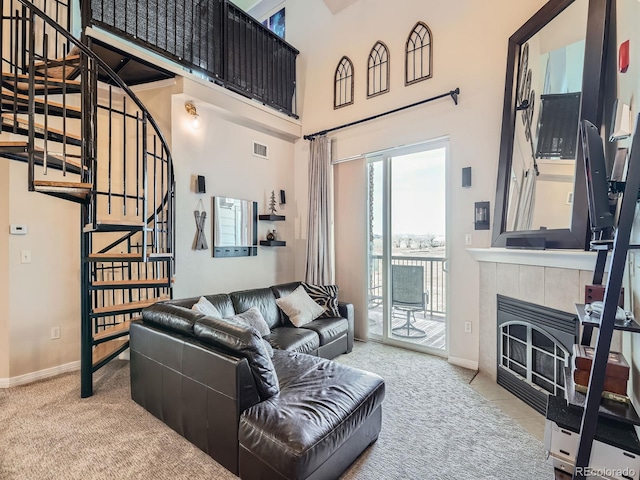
[434, 427]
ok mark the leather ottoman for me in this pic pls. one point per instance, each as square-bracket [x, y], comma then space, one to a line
[324, 417]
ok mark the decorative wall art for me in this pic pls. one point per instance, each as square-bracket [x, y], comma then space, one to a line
[200, 242]
[378, 70]
[418, 67]
[419, 54]
[276, 23]
[343, 84]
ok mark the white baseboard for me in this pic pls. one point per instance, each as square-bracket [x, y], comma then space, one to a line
[463, 362]
[39, 375]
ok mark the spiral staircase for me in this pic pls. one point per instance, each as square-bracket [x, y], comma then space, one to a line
[87, 138]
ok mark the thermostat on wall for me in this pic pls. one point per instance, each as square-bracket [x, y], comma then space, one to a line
[19, 229]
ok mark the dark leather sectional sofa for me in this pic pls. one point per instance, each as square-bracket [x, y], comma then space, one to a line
[294, 415]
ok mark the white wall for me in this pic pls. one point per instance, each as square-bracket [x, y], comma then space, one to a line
[46, 292]
[222, 151]
[4, 268]
[470, 43]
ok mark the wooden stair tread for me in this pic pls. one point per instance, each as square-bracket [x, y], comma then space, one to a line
[50, 183]
[19, 150]
[68, 59]
[160, 255]
[127, 223]
[113, 256]
[116, 226]
[106, 349]
[11, 118]
[140, 304]
[14, 144]
[146, 281]
[127, 257]
[10, 95]
[24, 79]
[114, 330]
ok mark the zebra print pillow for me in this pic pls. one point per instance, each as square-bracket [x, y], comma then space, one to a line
[326, 296]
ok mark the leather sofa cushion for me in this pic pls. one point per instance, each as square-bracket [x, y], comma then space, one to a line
[221, 301]
[328, 329]
[263, 299]
[294, 339]
[172, 317]
[243, 341]
[316, 411]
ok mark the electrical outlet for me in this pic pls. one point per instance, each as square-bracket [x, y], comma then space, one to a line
[467, 327]
[55, 333]
[468, 239]
[25, 256]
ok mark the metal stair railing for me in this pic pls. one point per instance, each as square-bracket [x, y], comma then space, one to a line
[125, 167]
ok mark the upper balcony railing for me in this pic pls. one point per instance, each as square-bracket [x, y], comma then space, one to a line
[211, 37]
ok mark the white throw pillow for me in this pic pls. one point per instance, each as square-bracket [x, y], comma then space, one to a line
[300, 307]
[207, 308]
[252, 318]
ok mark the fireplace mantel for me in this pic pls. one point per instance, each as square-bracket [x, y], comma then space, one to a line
[569, 259]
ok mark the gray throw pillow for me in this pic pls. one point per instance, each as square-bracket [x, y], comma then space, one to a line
[252, 318]
[207, 308]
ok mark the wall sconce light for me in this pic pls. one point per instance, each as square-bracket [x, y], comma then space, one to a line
[193, 113]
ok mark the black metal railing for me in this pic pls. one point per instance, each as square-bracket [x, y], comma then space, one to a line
[103, 136]
[434, 280]
[211, 37]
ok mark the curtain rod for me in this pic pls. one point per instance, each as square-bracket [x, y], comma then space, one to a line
[453, 94]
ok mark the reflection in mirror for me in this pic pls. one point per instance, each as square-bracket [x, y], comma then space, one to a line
[234, 227]
[548, 94]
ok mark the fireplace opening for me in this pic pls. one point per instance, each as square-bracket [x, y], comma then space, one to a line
[534, 345]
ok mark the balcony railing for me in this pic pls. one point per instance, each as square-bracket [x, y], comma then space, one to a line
[213, 38]
[434, 279]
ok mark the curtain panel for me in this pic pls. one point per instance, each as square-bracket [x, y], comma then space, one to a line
[320, 261]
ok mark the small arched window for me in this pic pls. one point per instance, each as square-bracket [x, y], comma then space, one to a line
[343, 86]
[378, 70]
[419, 58]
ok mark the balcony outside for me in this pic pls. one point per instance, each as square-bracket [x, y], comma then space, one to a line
[408, 209]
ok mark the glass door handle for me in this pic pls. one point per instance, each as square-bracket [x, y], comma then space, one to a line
[445, 265]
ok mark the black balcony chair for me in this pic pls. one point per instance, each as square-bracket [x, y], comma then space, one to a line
[409, 296]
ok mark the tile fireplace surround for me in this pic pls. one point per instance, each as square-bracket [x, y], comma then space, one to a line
[553, 278]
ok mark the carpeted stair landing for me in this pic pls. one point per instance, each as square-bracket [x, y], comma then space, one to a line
[435, 426]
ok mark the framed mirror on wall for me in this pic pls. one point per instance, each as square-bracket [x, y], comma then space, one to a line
[554, 79]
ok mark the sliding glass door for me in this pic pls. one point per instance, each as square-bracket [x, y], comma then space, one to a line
[407, 251]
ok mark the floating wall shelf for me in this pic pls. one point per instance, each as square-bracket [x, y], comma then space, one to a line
[272, 218]
[273, 243]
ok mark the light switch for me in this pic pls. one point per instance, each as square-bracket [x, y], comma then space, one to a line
[25, 256]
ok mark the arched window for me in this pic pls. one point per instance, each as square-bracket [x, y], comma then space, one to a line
[343, 86]
[378, 70]
[418, 59]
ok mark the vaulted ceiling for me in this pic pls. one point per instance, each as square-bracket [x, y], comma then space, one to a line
[338, 5]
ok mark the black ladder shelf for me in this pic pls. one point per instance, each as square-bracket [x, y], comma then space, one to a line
[592, 402]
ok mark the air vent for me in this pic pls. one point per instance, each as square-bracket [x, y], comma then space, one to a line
[260, 150]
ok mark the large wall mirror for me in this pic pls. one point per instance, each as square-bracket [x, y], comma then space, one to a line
[235, 227]
[555, 75]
